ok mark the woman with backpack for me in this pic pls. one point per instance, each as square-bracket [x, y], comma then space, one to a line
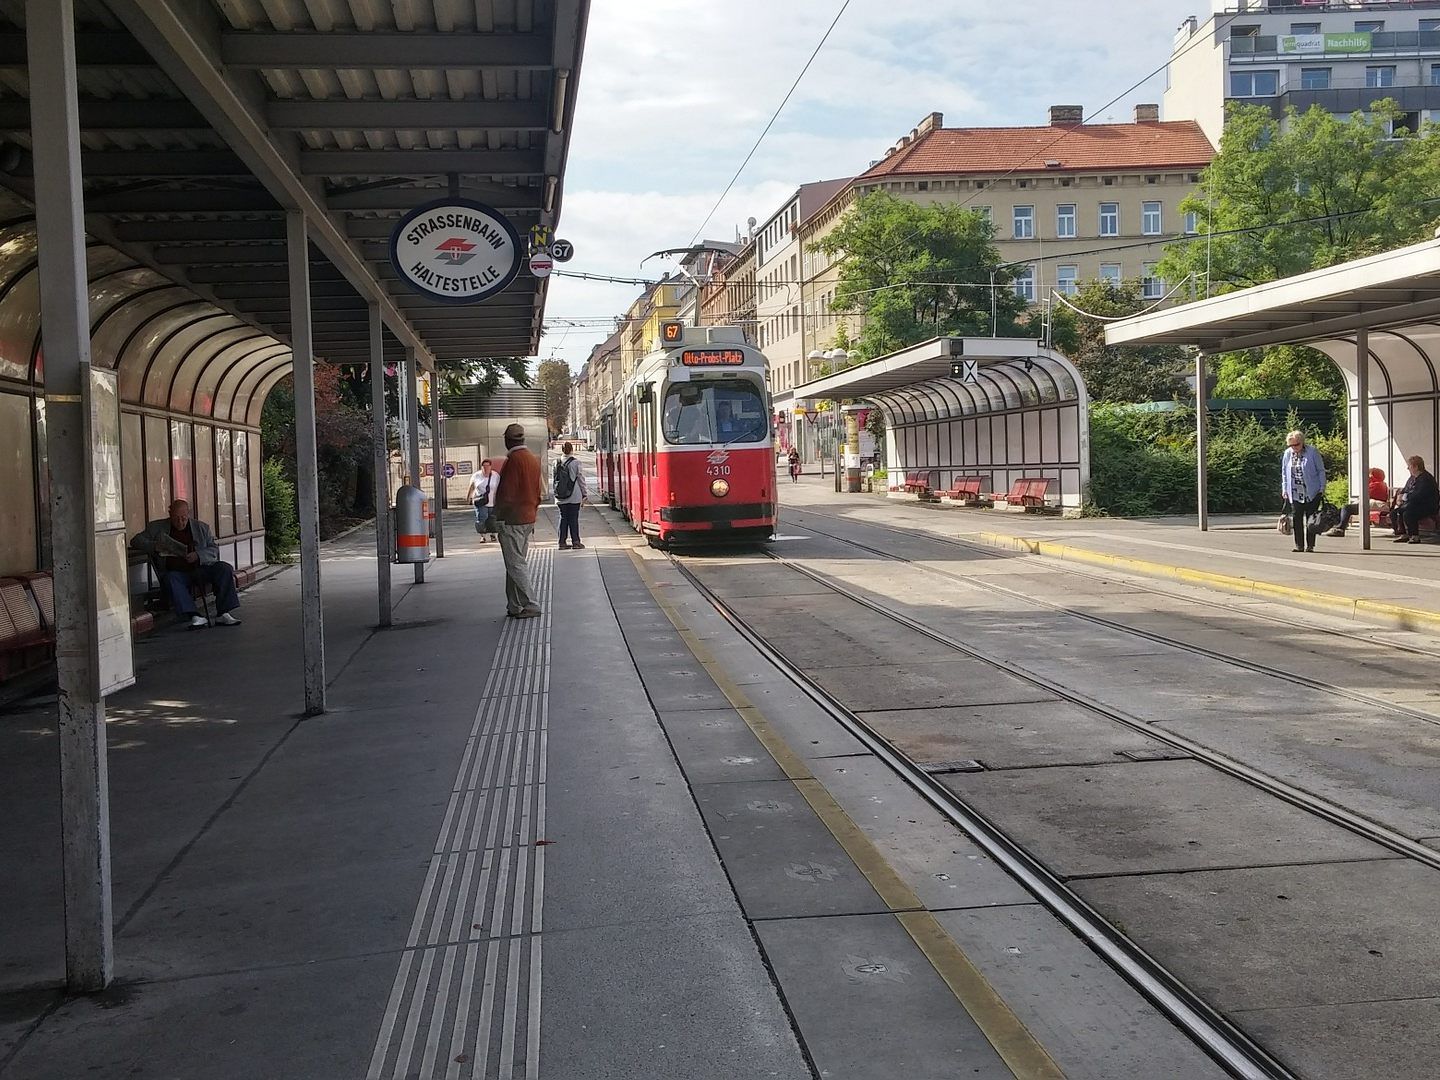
[570, 492]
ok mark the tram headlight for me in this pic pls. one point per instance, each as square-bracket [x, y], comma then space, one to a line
[719, 488]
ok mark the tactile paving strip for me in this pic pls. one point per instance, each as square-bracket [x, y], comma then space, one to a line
[465, 1004]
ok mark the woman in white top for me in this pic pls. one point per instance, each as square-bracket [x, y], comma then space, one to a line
[482, 493]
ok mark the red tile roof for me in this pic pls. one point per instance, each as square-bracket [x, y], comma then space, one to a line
[1087, 147]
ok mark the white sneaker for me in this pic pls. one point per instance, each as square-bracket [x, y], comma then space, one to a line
[198, 622]
[228, 620]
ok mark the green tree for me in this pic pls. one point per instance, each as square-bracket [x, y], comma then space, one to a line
[554, 378]
[917, 272]
[1284, 371]
[1117, 373]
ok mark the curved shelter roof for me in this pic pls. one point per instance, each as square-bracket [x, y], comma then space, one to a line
[204, 121]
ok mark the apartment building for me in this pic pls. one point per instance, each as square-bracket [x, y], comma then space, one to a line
[602, 377]
[641, 330]
[728, 296]
[1341, 56]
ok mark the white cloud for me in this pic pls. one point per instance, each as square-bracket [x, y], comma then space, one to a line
[673, 93]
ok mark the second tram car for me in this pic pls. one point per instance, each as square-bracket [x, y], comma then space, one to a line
[687, 454]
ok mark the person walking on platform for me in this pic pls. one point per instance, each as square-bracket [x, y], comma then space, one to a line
[1419, 500]
[517, 503]
[482, 495]
[1302, 485]
[570, 492]
[794, 465]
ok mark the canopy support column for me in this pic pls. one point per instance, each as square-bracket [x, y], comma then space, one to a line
[1362, 401]
[65, 313]
[381, 462]
[1202, 442]
[437, 454]
[412, 434]
[307, 473]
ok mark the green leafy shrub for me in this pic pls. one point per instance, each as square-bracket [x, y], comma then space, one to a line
[282, 524]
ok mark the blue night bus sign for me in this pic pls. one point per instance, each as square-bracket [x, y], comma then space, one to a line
[455, 251]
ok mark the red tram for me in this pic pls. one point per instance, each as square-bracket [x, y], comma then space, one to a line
[685, 450]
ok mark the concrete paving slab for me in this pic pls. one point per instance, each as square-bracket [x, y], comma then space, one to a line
[717, 747]
[1093, 1023]
[1010, 736]
[781, 860]
[644, 1008]
[942, 866]
[959, 681]
[1144, 817]
[870, 1004]
[1287, 936]
[756, 578]
[1397, 1040]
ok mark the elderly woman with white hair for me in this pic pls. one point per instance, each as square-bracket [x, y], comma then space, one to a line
[1302, 485]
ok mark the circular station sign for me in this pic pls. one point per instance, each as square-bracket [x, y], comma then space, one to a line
[541, 264]
[455, 251]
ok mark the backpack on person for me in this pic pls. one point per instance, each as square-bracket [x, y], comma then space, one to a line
[564, 479]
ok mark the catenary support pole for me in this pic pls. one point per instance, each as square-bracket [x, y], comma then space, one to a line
[307, 472]
[65, 315]
[412, 433]
[1202, 441]
[1362, 403]
[381, 458]
[437, 454]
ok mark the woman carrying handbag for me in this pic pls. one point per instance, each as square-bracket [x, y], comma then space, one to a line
[1302, 485]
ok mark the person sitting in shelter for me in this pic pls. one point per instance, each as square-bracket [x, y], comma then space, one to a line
[185, 552]
[1379, 497]
[1420, 499]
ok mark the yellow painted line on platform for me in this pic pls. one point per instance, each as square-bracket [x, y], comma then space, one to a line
[1406, 617]
[1012, 1040]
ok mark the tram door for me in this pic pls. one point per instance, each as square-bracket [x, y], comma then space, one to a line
[648, 496]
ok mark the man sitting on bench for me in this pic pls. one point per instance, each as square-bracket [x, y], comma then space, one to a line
[185, 553]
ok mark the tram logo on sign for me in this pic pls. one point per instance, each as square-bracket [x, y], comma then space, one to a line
[718, 457]
[456, 251]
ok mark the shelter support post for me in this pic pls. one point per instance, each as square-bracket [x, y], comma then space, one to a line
[307, 473]
[412, 433]
[437, 453]
[1202, 440]
[1362, 405]
[381, 461]
[65, 314]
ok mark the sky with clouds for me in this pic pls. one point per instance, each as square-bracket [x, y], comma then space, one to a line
[673, 93]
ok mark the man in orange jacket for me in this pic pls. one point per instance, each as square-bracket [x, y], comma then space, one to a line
[517, 503]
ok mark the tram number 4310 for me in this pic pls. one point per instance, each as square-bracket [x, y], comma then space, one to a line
[717, 470]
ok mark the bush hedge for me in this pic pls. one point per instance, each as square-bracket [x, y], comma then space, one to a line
[1142, 464]
[282, 523]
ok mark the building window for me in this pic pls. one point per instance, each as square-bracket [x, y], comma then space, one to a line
[1245, 84]
[923, 185]
[1429, 26]
[1150, 219]
[1024, 220]
[1314, 78]
[1192, 223]
[1435, 74]
[1065, 220]
[1380, 75]
[1024, 284]
[1152, 288]
[1369, 26]
[1110, 274]
[1065, 278]
[985, 212]
[1109, 219]
[1304, 28]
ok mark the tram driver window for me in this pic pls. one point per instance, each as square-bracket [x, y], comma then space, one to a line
[697, 413]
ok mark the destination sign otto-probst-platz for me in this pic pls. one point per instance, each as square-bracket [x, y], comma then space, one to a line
[455, 250]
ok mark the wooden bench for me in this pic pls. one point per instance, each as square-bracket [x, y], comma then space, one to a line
[1030, 493]
[965, 490]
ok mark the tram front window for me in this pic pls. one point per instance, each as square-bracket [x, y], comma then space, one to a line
[730, 412]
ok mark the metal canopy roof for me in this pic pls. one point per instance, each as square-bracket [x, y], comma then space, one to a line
[1387, 292]
[930, 361]
[205, 120]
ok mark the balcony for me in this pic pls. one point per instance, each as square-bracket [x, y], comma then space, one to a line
[1384, 43]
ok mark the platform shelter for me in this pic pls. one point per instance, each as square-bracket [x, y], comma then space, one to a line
[999, 408]
[1377, 318]
[194, 196]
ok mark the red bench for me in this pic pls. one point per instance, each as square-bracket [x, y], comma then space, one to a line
[920, 482]
[965, 490]
[27, 630]
[1028, 492]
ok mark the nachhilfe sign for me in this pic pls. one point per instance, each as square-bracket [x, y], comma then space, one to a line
[455, 250]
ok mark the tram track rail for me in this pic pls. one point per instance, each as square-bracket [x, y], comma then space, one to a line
[1253, 666]
[1226, 1043]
